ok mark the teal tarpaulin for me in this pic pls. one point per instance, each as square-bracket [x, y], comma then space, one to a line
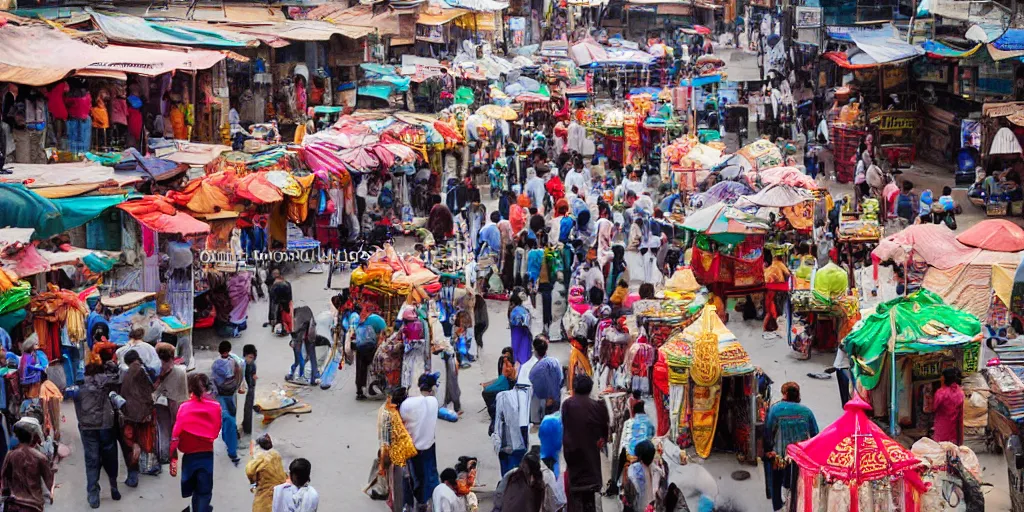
[76, 211]
[11, 320]
[23, 208]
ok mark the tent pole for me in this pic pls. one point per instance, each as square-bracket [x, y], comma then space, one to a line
[892, 393]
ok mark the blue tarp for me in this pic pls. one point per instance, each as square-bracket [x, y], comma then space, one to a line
[942, 50]
[701, 81]
[76, 211]
[840, 33]
[1011, 40]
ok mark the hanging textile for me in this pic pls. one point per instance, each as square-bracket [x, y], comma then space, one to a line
[180, 294]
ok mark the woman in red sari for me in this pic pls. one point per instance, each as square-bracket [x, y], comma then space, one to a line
[949, 409]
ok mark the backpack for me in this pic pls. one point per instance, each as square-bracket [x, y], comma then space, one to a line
[230, 386]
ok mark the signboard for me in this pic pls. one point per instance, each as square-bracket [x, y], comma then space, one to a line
[895, 120]
[970, 134]
[926, 71]
[808, 17]
[1001, 109]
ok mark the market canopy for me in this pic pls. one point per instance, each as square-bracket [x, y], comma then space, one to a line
[160, 215]
[724, 223]
[131, 29]
[1005, 143]
[776, 196]
[998, 235]
[591, 53]
[40, 55]
[934, 244]
[853, 449]
[918, 323]
[936, 49]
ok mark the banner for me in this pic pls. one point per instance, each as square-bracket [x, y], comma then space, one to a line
[808, 17]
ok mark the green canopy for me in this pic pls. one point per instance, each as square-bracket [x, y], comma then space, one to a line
[923, 324]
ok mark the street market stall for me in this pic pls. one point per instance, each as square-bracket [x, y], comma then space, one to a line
[710, 382]
[728, 250]
[919, 336]
[851, 465]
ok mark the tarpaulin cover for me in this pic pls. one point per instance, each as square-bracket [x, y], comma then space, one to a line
[883, 47]
[727, 191]
[923, 324]
[998, 235]
[23, 208]
[39, 55]
[160, 215]
[439, 17]
[937, 49]
[854, 449]
[969, 286]
[1011, 40]
[76, 211]
[78, 173]
[934, 244]
[776, 196]
[133, 29]
[724, 223]
[477, 5]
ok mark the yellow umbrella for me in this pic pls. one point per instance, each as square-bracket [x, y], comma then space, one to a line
[498, 112]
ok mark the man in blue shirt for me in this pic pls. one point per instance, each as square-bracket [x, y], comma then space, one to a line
[367, 330]
[490, 237]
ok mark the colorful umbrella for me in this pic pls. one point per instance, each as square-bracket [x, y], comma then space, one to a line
[994, 235]
[761, 154]
[701, 29]
[724, 223]
[853, 449]
[498, 112]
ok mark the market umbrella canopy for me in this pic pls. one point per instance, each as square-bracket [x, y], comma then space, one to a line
[1005, 143]
[998, 235]
[853, 449]
[498, 112]
[761, 154]
[919, 323]
[701, 29]
[724, 223]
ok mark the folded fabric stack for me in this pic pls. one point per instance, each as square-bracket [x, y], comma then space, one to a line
[1007, 392]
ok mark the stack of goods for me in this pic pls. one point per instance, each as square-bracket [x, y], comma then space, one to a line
[844, 148]
[53, 310]
[976, 410]
[1007, 392]
[668, 316]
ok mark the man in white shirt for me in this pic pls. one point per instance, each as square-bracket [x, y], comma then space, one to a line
[445, 499]
[535, 187]
[146, 351]
[419, 413]
[578, 178]
[841, 367]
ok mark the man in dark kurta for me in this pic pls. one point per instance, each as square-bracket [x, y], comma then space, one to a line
[585, 427]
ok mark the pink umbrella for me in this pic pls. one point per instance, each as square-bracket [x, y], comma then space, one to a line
[701, 29]
[360, 158]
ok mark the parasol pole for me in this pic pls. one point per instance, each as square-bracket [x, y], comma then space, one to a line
[892, 373]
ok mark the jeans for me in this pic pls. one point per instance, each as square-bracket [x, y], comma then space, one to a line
[197, 480]
[228, 424]
[79, 135]
[843, 379]
[545, 290]
[510, 461]
[100, 450]
[300, 360]
[780, 478]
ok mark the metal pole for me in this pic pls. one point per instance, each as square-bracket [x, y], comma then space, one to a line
[892, 390]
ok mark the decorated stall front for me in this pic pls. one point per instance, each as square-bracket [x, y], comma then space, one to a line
[384, 283]
[708, 395]
[851, 465]
[728, 254]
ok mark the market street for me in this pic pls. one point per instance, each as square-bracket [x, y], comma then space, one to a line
[339, 437]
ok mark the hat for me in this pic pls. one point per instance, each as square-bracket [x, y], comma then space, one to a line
[429, 380]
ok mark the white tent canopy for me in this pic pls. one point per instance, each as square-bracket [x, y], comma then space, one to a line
[1005, 143]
